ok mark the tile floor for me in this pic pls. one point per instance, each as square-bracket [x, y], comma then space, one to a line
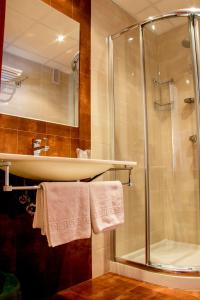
[168, 252]
[112, 286]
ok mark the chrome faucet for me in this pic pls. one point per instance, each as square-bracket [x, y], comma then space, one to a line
[38, 147]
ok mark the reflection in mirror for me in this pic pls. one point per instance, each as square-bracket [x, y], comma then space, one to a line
[40, 70]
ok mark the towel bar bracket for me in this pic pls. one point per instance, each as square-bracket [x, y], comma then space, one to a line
[9, 188]
[125, 168]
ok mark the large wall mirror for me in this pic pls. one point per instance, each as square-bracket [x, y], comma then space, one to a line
[40, 69]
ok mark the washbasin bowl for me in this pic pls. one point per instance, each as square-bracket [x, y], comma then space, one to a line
[58, 168]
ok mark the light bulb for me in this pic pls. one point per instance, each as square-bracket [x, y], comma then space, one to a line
[60, 38]
[130, 39]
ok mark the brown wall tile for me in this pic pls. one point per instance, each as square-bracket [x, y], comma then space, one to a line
[84, 133]
[75, 143]
[56, 129]
[58, 146]
[85, 66]
[64, 6]
[74, 132]
[81, 5]
[85, 103]
[8, 121]
[85, 144]
[8, 142]
[31, 125]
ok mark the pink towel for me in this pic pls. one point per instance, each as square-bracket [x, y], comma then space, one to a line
[107, 209]
[63, 212]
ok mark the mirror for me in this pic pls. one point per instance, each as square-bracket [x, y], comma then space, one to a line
[40, 69]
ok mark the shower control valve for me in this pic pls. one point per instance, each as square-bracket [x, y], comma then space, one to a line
[193, 138]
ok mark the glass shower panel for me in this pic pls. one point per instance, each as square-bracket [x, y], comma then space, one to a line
[129, 139]
[172, 145]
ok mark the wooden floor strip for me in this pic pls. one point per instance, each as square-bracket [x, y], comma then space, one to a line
[112, 286]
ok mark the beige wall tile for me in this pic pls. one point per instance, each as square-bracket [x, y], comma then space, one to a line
[107, 18]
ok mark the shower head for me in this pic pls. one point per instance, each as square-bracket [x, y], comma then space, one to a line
[185, 43]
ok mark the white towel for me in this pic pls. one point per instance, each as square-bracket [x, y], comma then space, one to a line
[107, 209]
[63, 212]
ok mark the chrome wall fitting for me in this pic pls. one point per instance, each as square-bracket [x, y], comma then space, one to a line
[189, 100]
[193, 138]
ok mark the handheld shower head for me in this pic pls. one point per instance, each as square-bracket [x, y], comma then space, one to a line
[75, 62]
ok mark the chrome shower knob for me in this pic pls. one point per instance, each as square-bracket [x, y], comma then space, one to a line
[193, 138]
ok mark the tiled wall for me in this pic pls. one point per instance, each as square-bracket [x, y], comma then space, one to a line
[107, 18]
[43, 270]
[18, 133]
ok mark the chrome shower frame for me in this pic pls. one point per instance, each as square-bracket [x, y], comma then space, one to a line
[192, 14]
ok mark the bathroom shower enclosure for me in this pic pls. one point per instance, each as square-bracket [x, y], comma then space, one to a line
[155, 100]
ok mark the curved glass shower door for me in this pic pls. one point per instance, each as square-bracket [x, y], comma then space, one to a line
[162, 209]
[173, 163]
[129, 139]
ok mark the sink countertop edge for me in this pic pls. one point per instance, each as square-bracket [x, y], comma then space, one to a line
[21, 157]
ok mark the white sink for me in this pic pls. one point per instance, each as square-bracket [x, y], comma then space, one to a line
[58, 168]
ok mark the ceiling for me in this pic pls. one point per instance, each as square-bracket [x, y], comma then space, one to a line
[31, 31]
[142, 9]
